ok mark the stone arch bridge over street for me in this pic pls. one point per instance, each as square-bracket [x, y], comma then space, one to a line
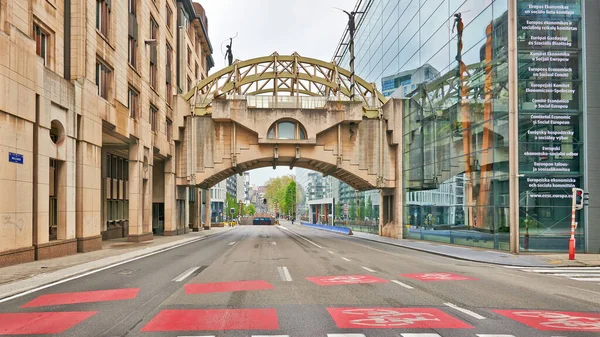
[289, 110]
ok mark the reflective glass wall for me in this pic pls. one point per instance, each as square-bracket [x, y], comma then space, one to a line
[456, 126]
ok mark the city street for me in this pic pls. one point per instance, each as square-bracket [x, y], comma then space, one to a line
[291, 280]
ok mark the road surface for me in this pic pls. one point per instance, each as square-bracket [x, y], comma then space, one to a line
[296, 281]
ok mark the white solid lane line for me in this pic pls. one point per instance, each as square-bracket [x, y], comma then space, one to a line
[284, 274]
[422, 334]
[71, 278]
[185, 274]
[232, 243]
[368, 269]
[465, 311]
[576, 275]
[345, 259]
[568, 270]
[594, 279]
[301, 237]
[402, 284]
[330, 252]
[345, 335]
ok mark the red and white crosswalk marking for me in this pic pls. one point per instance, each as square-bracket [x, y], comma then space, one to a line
[386, 318]
[555, 320]
[213, 320]
[220, 287]
[39, 323]
[432, 277]
[83, 297]
[345, 279]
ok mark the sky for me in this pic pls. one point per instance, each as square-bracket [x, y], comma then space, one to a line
[311, 28]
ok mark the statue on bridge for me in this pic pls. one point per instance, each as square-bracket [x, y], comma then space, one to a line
[229, 53]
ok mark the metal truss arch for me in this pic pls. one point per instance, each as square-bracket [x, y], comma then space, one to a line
[284, 75]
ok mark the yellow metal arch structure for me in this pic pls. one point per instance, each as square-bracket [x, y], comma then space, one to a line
[284, 75]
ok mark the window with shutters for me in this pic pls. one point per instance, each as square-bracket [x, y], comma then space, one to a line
[133, 103]
[41, 43]
[153, 118]
[169, 130]
[153, 56]
[133, 33]
[168, 75]
[169, 14]
[103, 78]
[103, 16]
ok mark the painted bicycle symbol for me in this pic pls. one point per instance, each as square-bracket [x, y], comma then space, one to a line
[350, 279]
[438, 276]
[561, 320]
[387, 317]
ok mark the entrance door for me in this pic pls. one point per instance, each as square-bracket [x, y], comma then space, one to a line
[158, 218]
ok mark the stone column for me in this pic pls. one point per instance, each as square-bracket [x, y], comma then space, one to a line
[197, 210]
[207, 210]
[171, 194]
[382, 212]
[137, 177]
[89, 202]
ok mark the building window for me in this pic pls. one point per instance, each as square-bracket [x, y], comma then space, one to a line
[132, 51]
[286, 130]
[132, 7]
[169, 18]
[133, 103]
[41, 43]
[189, 58]
[169, 130]
[103, 16]
[102, 79]
[153, 118]
[153, 53]
[168, 75]
[189, 83]
[196, 72]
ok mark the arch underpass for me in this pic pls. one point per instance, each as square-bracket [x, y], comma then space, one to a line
[294, 111]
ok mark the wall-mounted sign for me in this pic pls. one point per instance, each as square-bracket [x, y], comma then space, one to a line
[15, 158]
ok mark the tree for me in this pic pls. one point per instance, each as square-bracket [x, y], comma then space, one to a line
[362, 208]
[289, 201]
[338, 210]
[369, 208]
[230, 203]
[275, 189]
[352, 210]
[249, 209]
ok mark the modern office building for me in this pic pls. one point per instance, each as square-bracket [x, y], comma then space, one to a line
[218, 195]
[90, 113]
[495, 142]
[310, 186]
[400, 85]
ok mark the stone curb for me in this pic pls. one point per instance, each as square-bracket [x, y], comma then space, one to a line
[20, 286]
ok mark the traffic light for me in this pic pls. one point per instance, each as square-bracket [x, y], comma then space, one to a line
[581, 198]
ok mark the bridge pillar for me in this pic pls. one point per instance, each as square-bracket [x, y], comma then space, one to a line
[196, 210]
[207, 209]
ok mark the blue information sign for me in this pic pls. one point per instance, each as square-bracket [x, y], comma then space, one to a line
[15, 158]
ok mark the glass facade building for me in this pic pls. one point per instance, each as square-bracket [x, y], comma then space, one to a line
[458, 146]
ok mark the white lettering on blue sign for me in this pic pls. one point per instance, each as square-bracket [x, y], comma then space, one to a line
[15, 158]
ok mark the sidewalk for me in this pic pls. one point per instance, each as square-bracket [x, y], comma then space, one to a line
[488, 256]
[22, 277]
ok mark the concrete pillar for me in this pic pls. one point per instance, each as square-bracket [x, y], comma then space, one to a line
[89, 200]
[170, 198]
[382, 212]
[196, 210]
[139, 173]
[207, 210]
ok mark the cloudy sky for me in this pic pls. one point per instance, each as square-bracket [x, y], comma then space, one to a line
[310, 27]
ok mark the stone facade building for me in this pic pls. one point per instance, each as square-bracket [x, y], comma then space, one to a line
[90, 117]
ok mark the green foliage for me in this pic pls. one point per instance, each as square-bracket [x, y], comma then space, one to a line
[249, 209]
[275, 190]
[352, 210]
[368, 208]
[361, 213]
[289, 201]
[230, 203]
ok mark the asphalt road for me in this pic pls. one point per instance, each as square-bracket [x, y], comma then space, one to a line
[297, 281]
